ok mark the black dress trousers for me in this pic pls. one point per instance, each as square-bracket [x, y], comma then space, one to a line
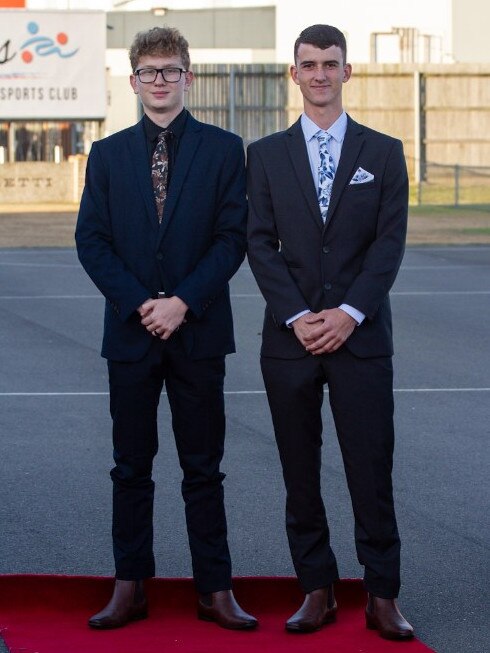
[195, 394]
[361, 400]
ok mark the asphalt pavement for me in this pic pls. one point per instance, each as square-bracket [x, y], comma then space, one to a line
[55, 439]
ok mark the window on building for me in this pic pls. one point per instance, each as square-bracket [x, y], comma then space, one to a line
[46, 140]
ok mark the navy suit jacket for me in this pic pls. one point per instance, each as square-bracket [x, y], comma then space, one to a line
[192, 254]
[301, 263]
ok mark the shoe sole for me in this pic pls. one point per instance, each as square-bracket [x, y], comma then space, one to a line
[245, 626]
[136, 617]
[302, 629]
[370, 625]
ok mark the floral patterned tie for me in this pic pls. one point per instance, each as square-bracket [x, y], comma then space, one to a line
[159, 173]
[326, 172]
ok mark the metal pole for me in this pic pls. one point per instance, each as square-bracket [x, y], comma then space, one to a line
[456, 184]
[416, 129]
[419, 189]
[11, 142]
[232, 99]
[420, 131]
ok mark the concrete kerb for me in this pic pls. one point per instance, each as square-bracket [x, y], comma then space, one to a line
[47, 207]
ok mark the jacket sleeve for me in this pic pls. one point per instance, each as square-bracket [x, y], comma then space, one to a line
[384, 256]
[280, 290]
[94, 241]
[226, 250]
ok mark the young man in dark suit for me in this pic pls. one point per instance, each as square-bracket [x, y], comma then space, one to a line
[327, 224]
[161, 230]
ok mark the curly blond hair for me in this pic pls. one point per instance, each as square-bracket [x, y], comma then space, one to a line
[159, 41]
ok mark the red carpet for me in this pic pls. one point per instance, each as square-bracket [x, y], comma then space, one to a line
[48, 614]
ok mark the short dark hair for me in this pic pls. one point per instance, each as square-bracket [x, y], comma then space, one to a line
[323, 37]
[159, 41]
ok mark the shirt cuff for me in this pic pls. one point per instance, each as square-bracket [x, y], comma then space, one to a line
[353, 312]
[289, 323]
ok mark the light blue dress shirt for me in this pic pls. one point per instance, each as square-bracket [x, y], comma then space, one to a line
[337, 131]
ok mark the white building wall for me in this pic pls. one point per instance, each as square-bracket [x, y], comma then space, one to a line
[460, 27]
[470, 30]
[358, 19]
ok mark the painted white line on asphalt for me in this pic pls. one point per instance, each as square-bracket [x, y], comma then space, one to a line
[227, 392]
[439, 292]
[243, 268]
[51, 297]
[408, 268]
[441, 390]
[253, 295]
[40, 265]
[411, 268]
[53, 394]
[455, 248]
[237, 295]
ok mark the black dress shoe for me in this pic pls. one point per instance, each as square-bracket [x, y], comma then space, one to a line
[128, 603]
[319, 608]
[222, 608]
[384, 616]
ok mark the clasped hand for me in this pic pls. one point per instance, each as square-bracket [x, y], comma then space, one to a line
[161, 317]
[324, 332]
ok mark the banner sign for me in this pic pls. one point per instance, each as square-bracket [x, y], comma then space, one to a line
[52, 65]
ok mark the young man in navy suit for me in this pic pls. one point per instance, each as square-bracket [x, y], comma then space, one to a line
[161, 230]
[327, 223]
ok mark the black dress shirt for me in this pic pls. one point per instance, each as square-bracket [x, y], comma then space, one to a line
[175, 130]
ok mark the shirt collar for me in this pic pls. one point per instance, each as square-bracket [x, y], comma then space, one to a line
[177, 126]
[337, 130]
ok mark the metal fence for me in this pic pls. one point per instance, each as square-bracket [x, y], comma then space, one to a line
[452, 185]
[250, 100]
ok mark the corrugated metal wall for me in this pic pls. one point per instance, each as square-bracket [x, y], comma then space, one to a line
[250, 100]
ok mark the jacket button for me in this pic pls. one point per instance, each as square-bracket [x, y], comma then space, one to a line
[159, 256]
[328, 286]
[326, 249]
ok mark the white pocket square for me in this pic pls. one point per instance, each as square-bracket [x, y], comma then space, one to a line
[361, 176]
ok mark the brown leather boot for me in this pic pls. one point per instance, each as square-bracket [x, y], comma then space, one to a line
[128, 603]
[222, 608]
[384, 616]
[319, 608]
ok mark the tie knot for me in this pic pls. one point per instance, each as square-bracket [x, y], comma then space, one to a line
[323, 136]
[164, 136]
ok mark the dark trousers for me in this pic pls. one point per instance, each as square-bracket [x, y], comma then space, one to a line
[195, 394]
[361, 400]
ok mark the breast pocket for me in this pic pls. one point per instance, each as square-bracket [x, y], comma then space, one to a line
[369, 185]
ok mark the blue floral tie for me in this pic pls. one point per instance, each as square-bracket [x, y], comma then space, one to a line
[326, 172]
[159, 173]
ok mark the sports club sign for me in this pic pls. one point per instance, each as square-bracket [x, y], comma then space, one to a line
[52, 65]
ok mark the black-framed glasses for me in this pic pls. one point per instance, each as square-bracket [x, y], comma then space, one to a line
[149, 75]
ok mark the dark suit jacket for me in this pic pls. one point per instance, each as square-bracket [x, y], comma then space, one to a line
[192, 254]
[301, 263]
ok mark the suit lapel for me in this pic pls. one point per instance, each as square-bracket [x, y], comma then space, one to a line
[351, 147]
[295, 142]
[139, 158]
[188, 146]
